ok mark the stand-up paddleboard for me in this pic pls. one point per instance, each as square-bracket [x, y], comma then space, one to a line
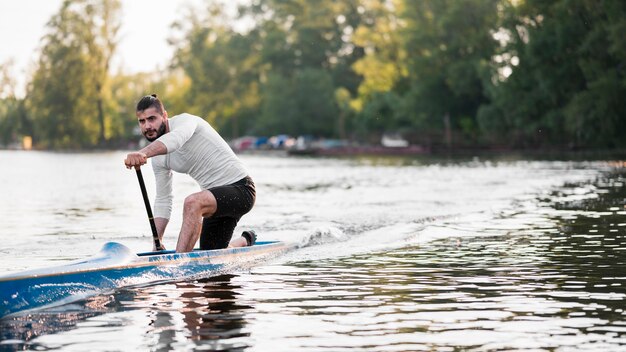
[117, 266]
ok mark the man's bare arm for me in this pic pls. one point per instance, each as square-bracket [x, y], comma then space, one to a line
[153, 149]
[136, 159]
[161, 224]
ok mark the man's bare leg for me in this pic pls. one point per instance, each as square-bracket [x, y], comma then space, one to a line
[196, 206]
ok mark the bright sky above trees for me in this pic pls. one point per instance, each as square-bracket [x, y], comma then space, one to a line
[22, 24]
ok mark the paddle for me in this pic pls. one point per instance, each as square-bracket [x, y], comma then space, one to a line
[146, 201]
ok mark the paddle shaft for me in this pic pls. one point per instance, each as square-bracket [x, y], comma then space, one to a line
[146, 201]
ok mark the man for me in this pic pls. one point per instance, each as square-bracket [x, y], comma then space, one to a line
[187, 144]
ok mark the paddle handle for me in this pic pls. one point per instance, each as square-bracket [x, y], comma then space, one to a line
[146, 201]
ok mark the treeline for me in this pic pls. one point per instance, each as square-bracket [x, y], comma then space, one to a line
[446, 73]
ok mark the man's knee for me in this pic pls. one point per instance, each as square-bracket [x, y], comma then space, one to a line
[202, 202]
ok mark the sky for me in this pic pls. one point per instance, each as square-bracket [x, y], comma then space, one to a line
[22, 25]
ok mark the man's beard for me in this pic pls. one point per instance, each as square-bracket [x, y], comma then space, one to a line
[160, 132]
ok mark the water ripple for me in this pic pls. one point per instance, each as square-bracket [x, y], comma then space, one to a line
[487, 256]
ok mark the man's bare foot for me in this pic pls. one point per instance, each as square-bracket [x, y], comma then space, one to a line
[247, 238]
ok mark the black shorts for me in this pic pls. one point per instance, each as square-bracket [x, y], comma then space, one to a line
[233, 201]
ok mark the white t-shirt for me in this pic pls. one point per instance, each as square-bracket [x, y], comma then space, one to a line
[196, 149]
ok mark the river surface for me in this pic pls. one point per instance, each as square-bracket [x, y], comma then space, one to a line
[482, 254]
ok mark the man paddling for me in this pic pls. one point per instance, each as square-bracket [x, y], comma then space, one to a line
[188, 144]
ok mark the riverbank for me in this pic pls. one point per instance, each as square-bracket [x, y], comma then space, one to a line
[380, 151]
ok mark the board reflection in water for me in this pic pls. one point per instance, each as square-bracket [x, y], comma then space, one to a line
[202, 312]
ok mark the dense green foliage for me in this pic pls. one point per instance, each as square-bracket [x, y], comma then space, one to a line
[569, 84]
[68, 95]
[525, 73]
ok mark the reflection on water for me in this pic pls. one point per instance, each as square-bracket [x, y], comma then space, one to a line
[208, 311]
[20, 332]
[172, 316]
[547, 274]
[404, 255]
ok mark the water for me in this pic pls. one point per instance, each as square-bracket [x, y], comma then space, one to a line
[399, 255]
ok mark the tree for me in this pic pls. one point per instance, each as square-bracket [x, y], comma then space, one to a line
[383, 69]
[67, 95]
[102, 26]
[223, 70]
[13, 121]
[449, 45]
[567, 83]
[279, 110]
[308, 45]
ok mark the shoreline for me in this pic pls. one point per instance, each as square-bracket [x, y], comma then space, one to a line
[379, 151]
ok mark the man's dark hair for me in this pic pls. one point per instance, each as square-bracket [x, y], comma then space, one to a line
[150, 101]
